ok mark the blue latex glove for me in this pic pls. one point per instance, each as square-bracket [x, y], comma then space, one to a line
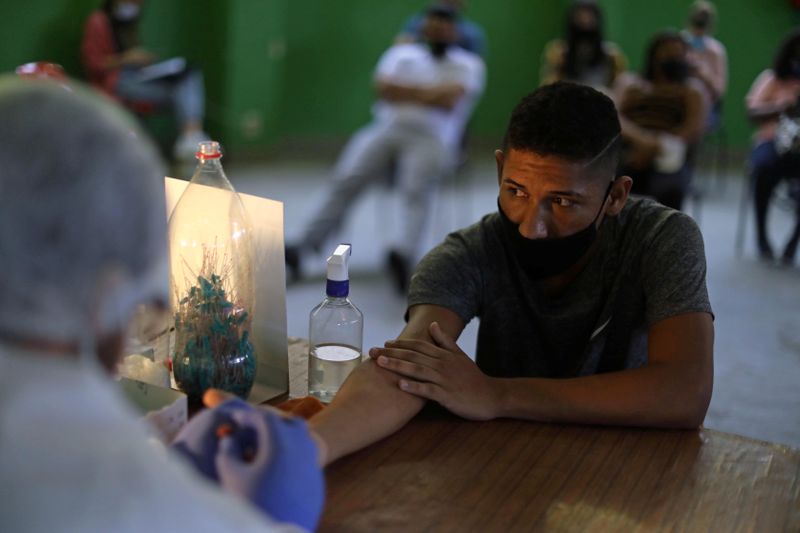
[283, 478]
[198, 440]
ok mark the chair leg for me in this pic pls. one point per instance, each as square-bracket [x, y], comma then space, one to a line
[744, 208]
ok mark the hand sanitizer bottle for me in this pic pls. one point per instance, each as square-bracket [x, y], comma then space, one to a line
[335, 332]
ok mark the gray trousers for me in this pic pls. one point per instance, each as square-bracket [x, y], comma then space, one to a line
[418, 160]
[184, 93]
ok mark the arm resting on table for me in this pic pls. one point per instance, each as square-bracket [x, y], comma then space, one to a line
[370, 405]
[672, 391]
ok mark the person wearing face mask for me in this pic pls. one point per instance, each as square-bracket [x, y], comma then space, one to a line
[426, 93]
[469, 35]
[116, 63]
[593, 306]
[775, 92]
[708, 58]
[83, 243]
[583, 56]
[662, 113]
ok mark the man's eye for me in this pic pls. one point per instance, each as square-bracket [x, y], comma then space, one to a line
[517, 193]
[560, 201]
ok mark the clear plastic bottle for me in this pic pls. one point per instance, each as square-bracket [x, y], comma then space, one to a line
[335, 332]
[211, 281]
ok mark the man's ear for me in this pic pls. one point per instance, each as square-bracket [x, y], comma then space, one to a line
[619, 195]
[499, 158]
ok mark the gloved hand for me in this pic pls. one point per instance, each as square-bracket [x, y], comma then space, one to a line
[198, 440]
[283, 478]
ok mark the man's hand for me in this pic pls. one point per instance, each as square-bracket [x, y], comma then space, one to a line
[441, 372]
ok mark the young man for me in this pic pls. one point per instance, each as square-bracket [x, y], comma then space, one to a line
[593, 307]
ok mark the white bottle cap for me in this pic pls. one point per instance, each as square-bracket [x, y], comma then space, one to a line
[337, 263]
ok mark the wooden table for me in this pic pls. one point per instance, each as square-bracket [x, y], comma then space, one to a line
[441, 473]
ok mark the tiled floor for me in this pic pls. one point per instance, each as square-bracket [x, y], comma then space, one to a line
[757, 306]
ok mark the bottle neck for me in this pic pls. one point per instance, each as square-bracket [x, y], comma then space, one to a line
[337, 289]
[209, 172]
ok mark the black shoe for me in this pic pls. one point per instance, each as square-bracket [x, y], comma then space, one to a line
[765, 251]
[399, 270]
[292, 256]
[789, 252]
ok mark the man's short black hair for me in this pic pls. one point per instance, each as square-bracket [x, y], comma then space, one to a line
[567, 120]
[442, 11]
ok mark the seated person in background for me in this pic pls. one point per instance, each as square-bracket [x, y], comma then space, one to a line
[593, 307]
[662, 116]
[708, 59]
[426, 94]
[774, 92]
[83, 242]
[469, 35]
[113, 59]
[583, 56]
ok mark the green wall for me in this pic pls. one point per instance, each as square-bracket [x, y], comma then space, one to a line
[278, 69]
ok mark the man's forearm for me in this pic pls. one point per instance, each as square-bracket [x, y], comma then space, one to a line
[445, 95]
[367, 408]
[658, 395]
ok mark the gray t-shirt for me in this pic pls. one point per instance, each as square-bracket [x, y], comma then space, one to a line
[649, 265]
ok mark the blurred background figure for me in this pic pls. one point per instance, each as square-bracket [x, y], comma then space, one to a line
[662, 115]
[583, 56]
[708, 59]
[772, 104]
[117, 64]
[469, 35]
[426, 94]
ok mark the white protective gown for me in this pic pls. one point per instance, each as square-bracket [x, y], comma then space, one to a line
[75, 457]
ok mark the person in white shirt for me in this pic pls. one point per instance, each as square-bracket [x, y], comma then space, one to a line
[82, 243]
[426, 94]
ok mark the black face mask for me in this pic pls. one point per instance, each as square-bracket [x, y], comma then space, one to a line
[675, 70]
[438, 48]
[542, 258]
[580, 34]
[701, 20]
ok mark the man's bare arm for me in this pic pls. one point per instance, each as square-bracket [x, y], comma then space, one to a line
[370, 405]
[673, 390]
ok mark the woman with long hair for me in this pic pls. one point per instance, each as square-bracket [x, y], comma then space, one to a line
[116, 63]
[583, 56]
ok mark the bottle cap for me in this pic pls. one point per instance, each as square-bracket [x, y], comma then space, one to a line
[338, 275]
[208, 150]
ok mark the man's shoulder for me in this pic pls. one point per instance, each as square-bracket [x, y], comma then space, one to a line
[477, 235]
[646, 221]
